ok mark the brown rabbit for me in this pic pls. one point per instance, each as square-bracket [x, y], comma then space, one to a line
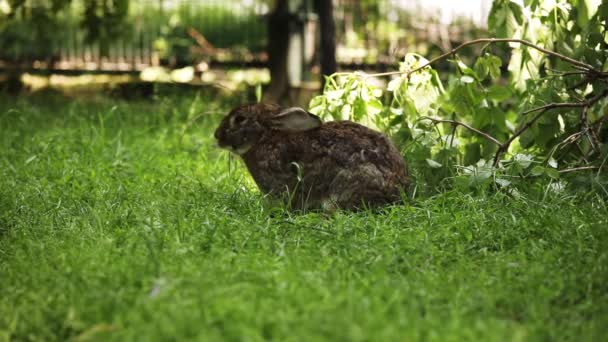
[314, 165]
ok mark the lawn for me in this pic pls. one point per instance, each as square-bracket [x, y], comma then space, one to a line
[121, 221]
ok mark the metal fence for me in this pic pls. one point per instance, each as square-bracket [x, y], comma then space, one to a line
[223, 32]
[378, 32]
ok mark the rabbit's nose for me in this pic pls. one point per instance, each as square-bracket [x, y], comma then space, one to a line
[216, 135]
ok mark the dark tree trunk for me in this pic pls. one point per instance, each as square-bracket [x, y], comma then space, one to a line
[13, 84]
[328, 37]
[278, 43]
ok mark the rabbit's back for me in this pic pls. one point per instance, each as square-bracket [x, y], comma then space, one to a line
[341, 161]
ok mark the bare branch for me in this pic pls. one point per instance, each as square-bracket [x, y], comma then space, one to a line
[584, 67]
[555, 105]
[570, 140]
[593, 139]
[543, 109]
[583, 104]
[205, 46]
[472, 129]
[525, 127]
[561, 73]
[585, 80]
[580, 168]
[598, 123]
[504, 147]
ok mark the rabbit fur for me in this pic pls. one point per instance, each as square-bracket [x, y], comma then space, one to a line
[293, 155]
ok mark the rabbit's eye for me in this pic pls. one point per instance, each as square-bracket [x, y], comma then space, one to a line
[239, 119]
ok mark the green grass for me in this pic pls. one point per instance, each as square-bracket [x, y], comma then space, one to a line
[121, 221]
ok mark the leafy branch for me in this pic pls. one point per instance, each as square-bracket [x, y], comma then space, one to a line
[470, 128]
[585, 70]
[543, 109]
[503, 147]
[582, 104]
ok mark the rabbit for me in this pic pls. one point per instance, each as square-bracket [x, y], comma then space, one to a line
[293, 155]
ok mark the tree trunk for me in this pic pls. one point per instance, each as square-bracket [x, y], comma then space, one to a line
[328, 38]
[278, 44]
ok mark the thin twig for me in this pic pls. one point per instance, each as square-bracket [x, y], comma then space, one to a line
[580, 168]
[525, 127]
[593, 140]
[570, 139]
[587, 103]
[505, 146]
[453, 131]
[599, 123]
[580, 83]
[472, 129]
[555, 105]
[576, 64]
[543, 109]
[599, 170]
[566, 73]
[580, 68]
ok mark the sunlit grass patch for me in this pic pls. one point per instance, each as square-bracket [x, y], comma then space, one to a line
[120, 220]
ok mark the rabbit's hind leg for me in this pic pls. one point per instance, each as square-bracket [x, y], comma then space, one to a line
[358, 187]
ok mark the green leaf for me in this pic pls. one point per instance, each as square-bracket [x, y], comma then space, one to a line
[503, 182]
[472, 153]
[553, 173]
[537, 170]
[317, 104]
[494, 63]
[505, 17]
[526, 139]
[433, 164]
[484, 173]
[364, 93]
[552, 163]
[436, 82]
[258, 92]
[523, 160]
[499, 93]
[546, 133]
[359, 109]
[488, 65]
[466, 70]
[481, 68]
[468, 235]
[333, 95]
[394, 84]
[480, 175]
[30, 159]
[374, 107]
[582, 13]
[396, 121]
[467, 79]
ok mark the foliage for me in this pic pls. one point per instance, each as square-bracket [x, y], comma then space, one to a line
[224, 25]
[37, 29]
[374, 31]
[104, 20]
[121, 221]
[348, 98]
[528, 111]
[34, 29]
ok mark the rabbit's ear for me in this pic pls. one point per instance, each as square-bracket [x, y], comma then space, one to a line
[295, 119]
